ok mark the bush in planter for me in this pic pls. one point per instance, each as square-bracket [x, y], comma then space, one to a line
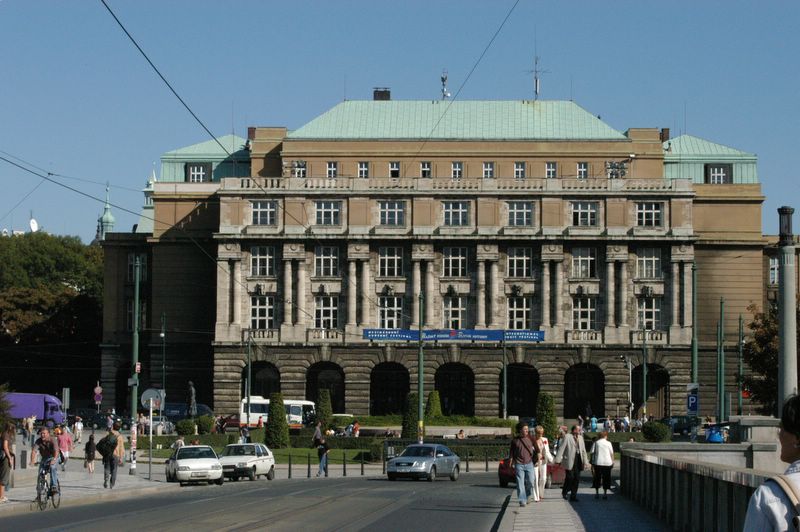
[410, 415]
[324, 409]
[655, 431]
[433, 407]
[204, 424]
[546, 416]
[185, 427]
[276, 434]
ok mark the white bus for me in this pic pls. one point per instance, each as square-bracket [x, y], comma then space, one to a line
[298, 412]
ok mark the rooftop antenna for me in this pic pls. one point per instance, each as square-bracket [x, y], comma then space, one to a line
[536, 76]
[445, 92]
[33, 224]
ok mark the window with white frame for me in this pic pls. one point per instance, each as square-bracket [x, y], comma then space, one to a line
[132, 266]
[774, 270]
[584, 213]
[392, 212]
[648, 263]
[455, 311]
[394, 169]
[649, 313]
[332, 170]
[328, 212]
[326, 312]
[582, 170]
[520, 315]
[425, 169]
[456, 213]
[584, 313]
[142, 314]
[719, 174]
[520, 213]
[550, 169]
[584, 263]
[454, 262]
[390, 312]
[649, 213]
[198, 172]
[457, 169]
[519, 170]
[390, 261]
[326, 261]
[299, 169]
[488, 170]
[264, 212]
[363, 169]
[262, 261]
[520, 262]
[262, 312]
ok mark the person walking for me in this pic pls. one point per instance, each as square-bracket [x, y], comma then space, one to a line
[523, 456]
[545, 457]
[317, 434]
[89, 454]
[602, 461]
[112, 460]
[64, 445]
[322, 453]
[572, 455]
[78, 428]
[7, 459]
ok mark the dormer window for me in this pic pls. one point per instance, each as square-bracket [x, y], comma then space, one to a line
[197, 172]
[719, 174]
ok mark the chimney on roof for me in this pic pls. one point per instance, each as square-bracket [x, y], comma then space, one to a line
[251, 133]
[381, 94]
[664, 134]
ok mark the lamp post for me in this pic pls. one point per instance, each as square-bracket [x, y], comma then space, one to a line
[644, 371]
[787, 304]
[740, 372]
[694, 321]
[249, 375]
[505, 378]
[721, 361]
[137, 266]
[163, 336]
[629, 365]
[420, 373]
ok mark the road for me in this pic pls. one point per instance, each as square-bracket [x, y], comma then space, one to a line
[474, 502]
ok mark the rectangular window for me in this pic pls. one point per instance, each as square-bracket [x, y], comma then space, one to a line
[454, 262]
[425, 169]
[391, 312]
[584, 213]
[394, 169]
[457, 169]
[299, 169]
[520, 263]
[363, 169]
[264, 212]
[719, 174]
[519, 170]
[488, 170]
[262, 312]
[455, 312]
[583, 170]
[326, 261]
[390, 262]
[326, 312]
[132, 266]
[520, 213]
[774, 270]
[328, 212]
[142, 314]
[456, 213]
[649, 313]
[550, 170]
[584, 313]
[519, 312]
[648, 263]
[198, 172]
[584, 263]
[332, 170]
[392, 212]
[262, 261]
[649, 214]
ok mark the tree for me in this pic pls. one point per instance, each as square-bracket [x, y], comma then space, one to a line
[546, 416]
[433, 407]
[324, 408]
[410, 416]
[276, 435]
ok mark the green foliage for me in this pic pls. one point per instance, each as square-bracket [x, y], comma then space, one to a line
[546, 416]
[655, 431]
[324, 408]
[433, 407]
[410, 416]
[276, 433]
[185, 427]
[204, 424]
[232, 438]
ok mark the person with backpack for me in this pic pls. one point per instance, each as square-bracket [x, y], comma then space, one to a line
[112, 448]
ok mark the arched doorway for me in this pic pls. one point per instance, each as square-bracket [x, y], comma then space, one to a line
[584, 392]
[326, 376]
[266, 379]
[388, 388]
[657, 391]
[522, 391]
[455, 383]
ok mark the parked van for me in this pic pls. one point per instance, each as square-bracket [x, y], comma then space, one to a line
[298, 413]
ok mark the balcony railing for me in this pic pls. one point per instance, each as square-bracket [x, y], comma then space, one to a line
[652, 337]
[588, 337]
[325, 336]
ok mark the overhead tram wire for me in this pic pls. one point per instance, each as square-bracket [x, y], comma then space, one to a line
[26, 196]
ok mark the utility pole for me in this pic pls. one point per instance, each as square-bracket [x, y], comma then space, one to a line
[644, 370]
[249, 374]
[137, 266]
[721, 361]
[787, 305]
[694, 321]
[740, 373]
[420, 374]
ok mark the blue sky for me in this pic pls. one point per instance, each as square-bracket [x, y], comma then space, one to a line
[77, 99]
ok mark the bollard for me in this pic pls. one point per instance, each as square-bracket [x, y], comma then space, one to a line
[383, 460]
[309, 464]
[486, 457]
[290, 464]
[362, 463]
[23, 456]
[326, 466]
[467, 460]
[344, 463]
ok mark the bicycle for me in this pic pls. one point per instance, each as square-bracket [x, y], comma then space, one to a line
[45, 491]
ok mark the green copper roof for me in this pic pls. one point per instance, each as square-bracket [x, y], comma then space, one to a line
[688, 145]
[463, 120]
[210, 149]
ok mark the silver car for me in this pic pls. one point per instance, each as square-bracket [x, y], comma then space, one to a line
[426, 461]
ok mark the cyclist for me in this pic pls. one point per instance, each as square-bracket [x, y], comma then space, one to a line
[47, 448]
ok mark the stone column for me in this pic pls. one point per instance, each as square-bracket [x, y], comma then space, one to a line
[300, 297]
[687, 294]
[416, 288]
[429, 295]
[365, 294]
[481, 306]
[236, 266]
[494, 274]
[287, 292]
[611, 318]
[352, 285]
[546, 321]
[623, 294]
[676, 302]
[559, 294]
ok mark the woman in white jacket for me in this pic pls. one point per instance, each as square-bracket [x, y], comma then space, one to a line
[540, 468]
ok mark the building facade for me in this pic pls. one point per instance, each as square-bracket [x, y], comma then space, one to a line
[445, 215]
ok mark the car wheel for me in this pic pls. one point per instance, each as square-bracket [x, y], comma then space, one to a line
[549, 482]
[219, 481]
[252, 473]
[454, 474]
[391, 476]
[503, 483]
[271, 473]
[432, 474]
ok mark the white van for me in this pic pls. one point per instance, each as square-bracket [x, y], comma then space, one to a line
[298, 412]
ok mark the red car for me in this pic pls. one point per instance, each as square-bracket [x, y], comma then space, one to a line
[506, 474]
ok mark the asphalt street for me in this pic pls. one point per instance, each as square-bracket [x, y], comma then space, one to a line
[474, 502]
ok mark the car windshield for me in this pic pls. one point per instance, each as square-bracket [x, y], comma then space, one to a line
[193, 453]
[239, 450]
[418, 451]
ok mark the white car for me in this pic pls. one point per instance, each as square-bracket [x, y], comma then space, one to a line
[194, 463]
[247, 460]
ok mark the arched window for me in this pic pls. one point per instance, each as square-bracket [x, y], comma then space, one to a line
[522, 390]
[326, 376]
[388, 388]
[456, 385]
[584, 392]
[266, 379]
[657, 391]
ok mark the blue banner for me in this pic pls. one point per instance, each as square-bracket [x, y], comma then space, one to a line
[476, 335]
